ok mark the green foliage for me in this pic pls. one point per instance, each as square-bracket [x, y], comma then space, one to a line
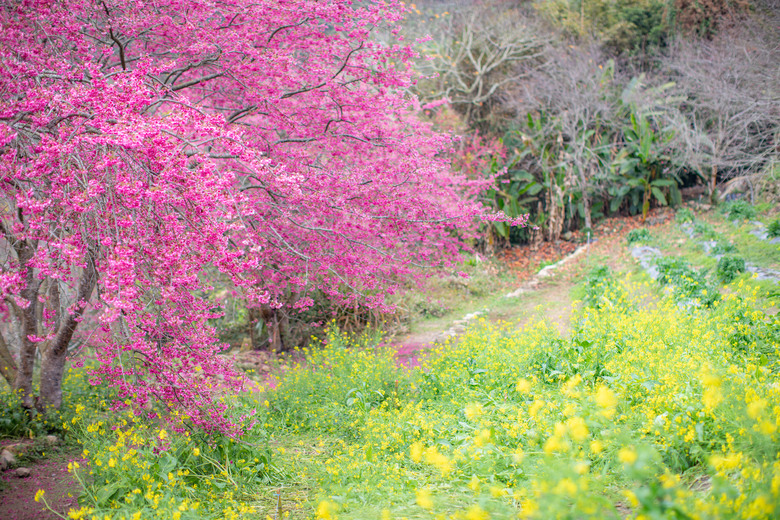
[639, 235]
[729, 267]
[634, 401]
[16, 421]
[687, 284]
[642, 165]
[625, 27]
[753, 333]
[598, 286]
[358, 379]
[704, 229]
[723, 247]
[773, 229]
[515, 191]
[561, 360]
[138, 466]
[738, 210]
[684, 215]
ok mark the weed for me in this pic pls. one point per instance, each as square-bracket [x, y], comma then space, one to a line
[639, 235]
[723, 247]
[597, 284]
[729, 267]
[738, 210]
[704, 229]
[687, 284]
[684, 215]
[773, 229]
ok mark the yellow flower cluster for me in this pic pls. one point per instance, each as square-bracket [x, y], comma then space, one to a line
[640, 398]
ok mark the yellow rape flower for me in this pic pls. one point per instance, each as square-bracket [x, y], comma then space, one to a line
[473, 410]
[416, 451]
[424, 499]
[523, 386]
[607, 401]
[578, 430]
[477, 513]
[755, 408]
[326, 510]
[627, 456]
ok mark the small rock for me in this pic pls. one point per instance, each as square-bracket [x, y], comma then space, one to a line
[516, 293]
[22, 472]
[19, 449]
[7, 458]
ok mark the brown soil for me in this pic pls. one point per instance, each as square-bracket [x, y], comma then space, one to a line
[17, 495]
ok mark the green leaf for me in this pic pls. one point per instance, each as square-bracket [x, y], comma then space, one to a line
[106, 493]
[535, 188]
[676, 195]
[502, 229]
[370, 452]
[659, 195]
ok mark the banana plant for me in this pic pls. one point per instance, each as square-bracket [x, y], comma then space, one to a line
[640, 164]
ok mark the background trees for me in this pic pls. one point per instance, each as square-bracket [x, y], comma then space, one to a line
[613, 106]
[146, 146]
[729, 92]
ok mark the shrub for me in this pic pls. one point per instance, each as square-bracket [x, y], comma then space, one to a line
[684, 215]
[687, 284]
[738, 210]
[729, 267]
[773, 229]
[704, 229]
[722, 247]
[638, 235]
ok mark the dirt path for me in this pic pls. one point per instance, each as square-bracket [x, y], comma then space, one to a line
[17, 495]
[545, 293]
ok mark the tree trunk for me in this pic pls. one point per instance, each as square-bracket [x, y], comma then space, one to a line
[24, 377]
[52, 370]
[585, 199]
[713, 183]
[8, 367]
[252, 317]
[54, 352]
[272, 325]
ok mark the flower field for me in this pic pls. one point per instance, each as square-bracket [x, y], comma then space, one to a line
[654, 402]
[645, 410]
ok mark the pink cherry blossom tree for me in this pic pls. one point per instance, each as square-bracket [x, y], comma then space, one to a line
[146, 146]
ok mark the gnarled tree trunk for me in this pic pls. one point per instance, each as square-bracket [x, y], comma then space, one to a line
[30, 322]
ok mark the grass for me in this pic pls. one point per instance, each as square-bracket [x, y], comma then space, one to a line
[759, 252]
[514, 421]
[634, 407]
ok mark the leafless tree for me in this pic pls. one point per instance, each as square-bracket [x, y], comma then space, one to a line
[476, 51]
[731, 90]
